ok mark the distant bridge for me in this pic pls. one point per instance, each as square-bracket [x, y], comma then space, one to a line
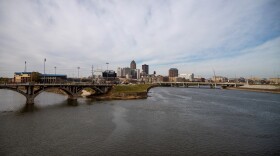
[198, 84]
[30, 90]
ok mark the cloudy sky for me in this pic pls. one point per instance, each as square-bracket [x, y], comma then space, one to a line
[234, 38]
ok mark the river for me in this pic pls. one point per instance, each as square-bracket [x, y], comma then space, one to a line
[171, 121]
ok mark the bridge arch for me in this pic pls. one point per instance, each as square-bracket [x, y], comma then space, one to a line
[31, 91]
[97, 90]
[65, 90]
[15, 90]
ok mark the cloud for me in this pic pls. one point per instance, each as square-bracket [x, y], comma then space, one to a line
[190, 35]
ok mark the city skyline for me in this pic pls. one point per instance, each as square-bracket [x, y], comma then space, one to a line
[234, 38]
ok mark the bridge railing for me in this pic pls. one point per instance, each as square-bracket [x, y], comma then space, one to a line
[55, 84]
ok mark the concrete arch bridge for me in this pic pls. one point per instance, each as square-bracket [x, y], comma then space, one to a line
[30, 91]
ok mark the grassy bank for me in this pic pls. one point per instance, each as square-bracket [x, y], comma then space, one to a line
[133, 88]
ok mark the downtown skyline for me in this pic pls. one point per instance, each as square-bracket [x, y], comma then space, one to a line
[234, 38]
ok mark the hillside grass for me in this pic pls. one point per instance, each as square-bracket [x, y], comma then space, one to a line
[133, 88]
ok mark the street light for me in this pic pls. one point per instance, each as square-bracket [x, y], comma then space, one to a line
[55, 73]
[78, 71]
[25, 70]
[107, 70]
[44, 70]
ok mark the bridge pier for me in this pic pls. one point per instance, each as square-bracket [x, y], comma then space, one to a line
[30, 100]
[73, 100]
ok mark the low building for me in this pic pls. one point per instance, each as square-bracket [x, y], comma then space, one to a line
[274, 80]
[6, 80]
[53, 78]
[219, 79]
[110, 74]
[159, 78]
[180, 79]
[187, 77]
[22, 77]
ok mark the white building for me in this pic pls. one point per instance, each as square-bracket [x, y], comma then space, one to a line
[189, 77]
[119, 72]
[138, 73]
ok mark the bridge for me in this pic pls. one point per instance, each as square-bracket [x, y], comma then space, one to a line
[31, 90]
[198, 84]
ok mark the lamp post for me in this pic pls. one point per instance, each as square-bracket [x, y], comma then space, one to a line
[25, 70]
[55, 73]
[78, 71]
[107, 70]
[44, 70]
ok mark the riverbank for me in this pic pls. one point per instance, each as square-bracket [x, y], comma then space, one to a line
[125, 92]
[258, 88]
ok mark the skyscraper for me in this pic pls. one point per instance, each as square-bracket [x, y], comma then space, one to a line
[145, 68]
[133, 64]
[173, 72]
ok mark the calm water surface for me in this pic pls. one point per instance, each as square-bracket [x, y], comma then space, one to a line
[172, 121]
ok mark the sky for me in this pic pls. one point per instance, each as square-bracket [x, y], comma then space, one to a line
[239, 38]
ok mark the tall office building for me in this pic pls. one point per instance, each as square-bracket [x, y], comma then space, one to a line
[173, 72]
[120, 72]
[134, 73]
[127, 71]
[138, 73]
[145, 69]
[133, 64]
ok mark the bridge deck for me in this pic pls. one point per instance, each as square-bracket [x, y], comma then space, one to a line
[55, 84]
